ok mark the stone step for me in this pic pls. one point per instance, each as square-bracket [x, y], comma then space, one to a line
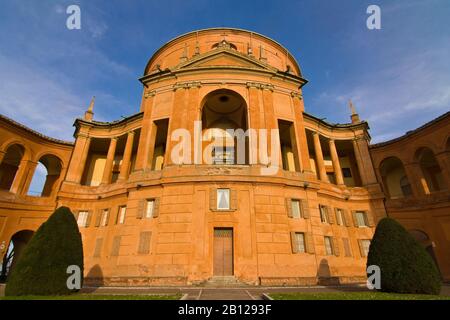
[225, 281]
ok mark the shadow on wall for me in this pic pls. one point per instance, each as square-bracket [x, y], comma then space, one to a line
[93, 279]
[324, 277]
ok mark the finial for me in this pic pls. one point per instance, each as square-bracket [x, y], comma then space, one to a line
[262, 54]
[352, 107]
[197, 49]
[354, 116]
[184, 56]
[89, 114]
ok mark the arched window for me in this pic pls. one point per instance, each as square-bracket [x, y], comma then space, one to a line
[224, 120]
[432, 179]
[10, 165]
[45, 176]
[395, 182]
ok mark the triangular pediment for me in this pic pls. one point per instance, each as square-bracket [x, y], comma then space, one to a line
[224, 58]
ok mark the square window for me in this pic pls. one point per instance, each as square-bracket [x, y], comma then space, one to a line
[82, 218]
[328, 246]
[149, 208]
[223, 199]
[122, 212]
[296, 213]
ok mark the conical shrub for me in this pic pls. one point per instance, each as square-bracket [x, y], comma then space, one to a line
[42, 268]
[405, 265]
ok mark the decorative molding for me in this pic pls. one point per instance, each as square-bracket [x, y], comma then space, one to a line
[261, 86]
[150, 94]
[295, 94]
[187, 85]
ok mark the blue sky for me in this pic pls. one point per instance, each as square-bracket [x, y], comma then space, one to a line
[398, 77]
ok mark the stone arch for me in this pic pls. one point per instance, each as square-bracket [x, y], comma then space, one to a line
[46, 175]
[395, 180]
[17, 244]
[432, 179]
[423, 238]
[9, 166]
[223, 110]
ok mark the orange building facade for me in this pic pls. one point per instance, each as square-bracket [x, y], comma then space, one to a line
[289, 199]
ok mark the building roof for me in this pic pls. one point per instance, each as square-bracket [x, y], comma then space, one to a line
[221, 28]
[412, 132]
[33, 132]
[336, 125]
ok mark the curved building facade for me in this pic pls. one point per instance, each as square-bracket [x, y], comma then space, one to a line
[221, 173]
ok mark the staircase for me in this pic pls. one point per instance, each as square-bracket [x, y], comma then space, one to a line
[224, 281]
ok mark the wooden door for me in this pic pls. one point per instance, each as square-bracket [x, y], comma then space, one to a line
[223, 252]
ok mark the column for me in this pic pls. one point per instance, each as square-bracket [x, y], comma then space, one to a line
[107, 172]
[443, 160]
[416, 179]
[319, 157]
[76, 164]
[364, 161]
[253, 123]
[2, 155]
[20, 178]
[31, 168]
[176, 120]
[336, 164]
[145, 146]
[271, 123]
[83, 159]
[126, 161]
[301, 141]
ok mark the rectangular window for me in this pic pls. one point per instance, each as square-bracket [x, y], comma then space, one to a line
[365, 244]
[149, 208]
[346, 172]
[104, 219]
[223, 199]
[121, 217]
[361, 219]
[300, 242]
[323, 214]
[288, 145]
[347, 251]
[296, 212]
[339, 217]
[82, 218]
[328, 246]
[223, 155]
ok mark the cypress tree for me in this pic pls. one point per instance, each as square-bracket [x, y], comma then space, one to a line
[405, 265]
[42, 268]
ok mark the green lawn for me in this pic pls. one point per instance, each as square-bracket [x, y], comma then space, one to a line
[98, 297]
[354, 296]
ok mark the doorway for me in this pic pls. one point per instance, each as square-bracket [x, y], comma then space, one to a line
[223, 252]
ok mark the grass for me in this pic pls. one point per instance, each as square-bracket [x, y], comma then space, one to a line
[355, 296]
[98, 297]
